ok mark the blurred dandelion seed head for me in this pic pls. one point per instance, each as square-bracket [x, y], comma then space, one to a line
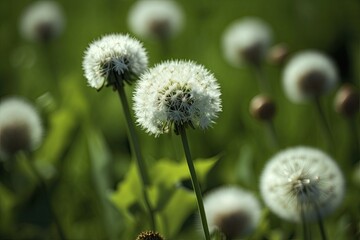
[232, 211]
[20, 127]
[176, 93]
[302, 179]
[149, 235]
[42, 21]
[246, 41]
[347, 100]
[116, 54]
[262, 108]
[159, 19]
[308, 75]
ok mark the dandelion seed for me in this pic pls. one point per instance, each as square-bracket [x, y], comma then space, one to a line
[149, 235]
[309, 75]
[42, 21]
[246, 41]
[176, 93]
[302, 179]
[159, 19]
[20, 127]
[114, 54]
[232, 211]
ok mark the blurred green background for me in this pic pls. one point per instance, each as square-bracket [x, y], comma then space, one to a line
[85, 154]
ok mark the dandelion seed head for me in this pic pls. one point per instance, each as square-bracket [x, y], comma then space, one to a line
[42, 21]
[347, 100]
[114, 54]
[246, 41]
[308, 75]
[20, 127]
[233, 211]
[302, 179]
[176, 93]
[159, 19]
[149, 235]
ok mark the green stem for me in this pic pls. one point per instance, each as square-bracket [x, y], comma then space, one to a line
[136, 147]
[305, 228]
[261, 79]
[194, 181]
[47, 197]
[320, 222]
[324, 123]
[355, 146]
[273, 134]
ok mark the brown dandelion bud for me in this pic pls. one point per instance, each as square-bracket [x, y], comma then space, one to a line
[149, 235]
[262, 108]
[347, 101]
[278, 54]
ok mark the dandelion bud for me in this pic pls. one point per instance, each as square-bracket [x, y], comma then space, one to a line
[42, 21]
[114, 59]
[232, 211]
[20, 127]
[262, 108]
[176, 93]
[278, 54]
[302, 181]
[246, 41]
[347, 101]
[149, 235]
[308, 75]
[159, 19]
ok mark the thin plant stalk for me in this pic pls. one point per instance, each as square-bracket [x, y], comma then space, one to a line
[273, 134]
[352, 124]
[136, 147]
[261, 79]
[320, 223]
[305, 227]
[324, 123]
[42, 183]
[194, 181]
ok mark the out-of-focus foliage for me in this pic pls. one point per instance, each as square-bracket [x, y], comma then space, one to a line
[85, 157]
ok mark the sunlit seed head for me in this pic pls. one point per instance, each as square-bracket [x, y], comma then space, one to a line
[302, 179]
[114, 57]
[149, 235]
[347, 100]
[159, 19]
[246, 41]
[262, 108]
[233, 211]
[20, 127]
[176, 93]
[308, 75]
[42, 21]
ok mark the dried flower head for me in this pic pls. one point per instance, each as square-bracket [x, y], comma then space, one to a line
[159, 19]
[232, 211]
[308, 75]
[347, 100]
[278, 53]
[112, 58]
[246, 41]
[20, 127]
[262, 108]
[302, 180]
[149, 235]
[176, 93]
[42, 21]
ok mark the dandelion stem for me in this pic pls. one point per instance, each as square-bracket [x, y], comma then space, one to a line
[261, 79]
[355, 139]
[273, 134]
[194, 181]
[47, 198]
[320, 222]
[324, 123]
[306, 234]
[136, 147]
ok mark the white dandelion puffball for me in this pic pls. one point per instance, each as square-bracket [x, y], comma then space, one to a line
[302, 180]
[176, 93]
[20, 127]
[156, 18]
[308, 75]
[233, 211]
[246, 41]
[42, 21]
[112, 54]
